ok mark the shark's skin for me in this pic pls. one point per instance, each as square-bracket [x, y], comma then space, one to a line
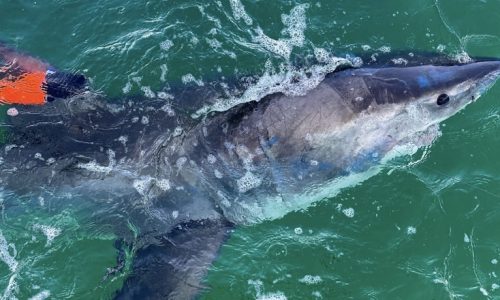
[184, 183]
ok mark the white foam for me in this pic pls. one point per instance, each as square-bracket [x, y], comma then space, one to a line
[168, 108]
[180, 162]
[466, 238]
[385, 49]
[258, 285]
[164, 70]
[5, 256]
[322, 55]
[142, 185]
[177, 131]
[50, 232]
[463, 57]
[41, 296]
[188, 78]
[123, 139]
[411, 230]
[279, 47]
[399, 61]
[126, 89]
[246, 156]
[163, 184]
[175, 214]
[148, 92]
[289, 81]
[272, 296]
[348, 212]
[11, 289]
[366, 47]
[211, 159]
[239, 12]
[9, 147]
[214, 43]
[12, 112]
[224, 201]
[166, 45]
[310, 279]
[295, 25]
[247, 182]
[93, 166]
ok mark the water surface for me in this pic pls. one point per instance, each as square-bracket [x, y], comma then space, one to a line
[427, 227]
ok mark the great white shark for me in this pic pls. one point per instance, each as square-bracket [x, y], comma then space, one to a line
[185, 183]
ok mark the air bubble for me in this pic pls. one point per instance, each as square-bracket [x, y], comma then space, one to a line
[348, 212]
[247, 182]
[411, 230]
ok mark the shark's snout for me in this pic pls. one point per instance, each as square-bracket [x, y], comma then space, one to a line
[482, 74]
[480, 70]
[446, 77]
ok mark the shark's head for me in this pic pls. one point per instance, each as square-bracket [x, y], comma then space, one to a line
[345, 129]
[396, 106]
[369, 111]
[437, 91]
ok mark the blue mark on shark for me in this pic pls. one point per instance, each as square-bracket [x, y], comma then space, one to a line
[272, 141]
[364, 161]
[423, 81]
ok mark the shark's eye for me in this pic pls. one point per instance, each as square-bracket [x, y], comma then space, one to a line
[443, 99]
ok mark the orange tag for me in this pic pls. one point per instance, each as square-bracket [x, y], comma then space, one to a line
[27, 89]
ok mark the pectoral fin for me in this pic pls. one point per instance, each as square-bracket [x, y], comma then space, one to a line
[174, 267]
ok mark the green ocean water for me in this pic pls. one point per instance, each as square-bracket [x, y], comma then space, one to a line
[427, 227]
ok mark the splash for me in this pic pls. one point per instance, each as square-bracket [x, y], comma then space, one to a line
[10, 261]
[258, 286]
[289, 80]
[189, 78]
[93, 166]
[41, 296]
[239, 12]
[11, 289]
[310, 279]
[50, 232]
[5, 255]
[295, 25]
